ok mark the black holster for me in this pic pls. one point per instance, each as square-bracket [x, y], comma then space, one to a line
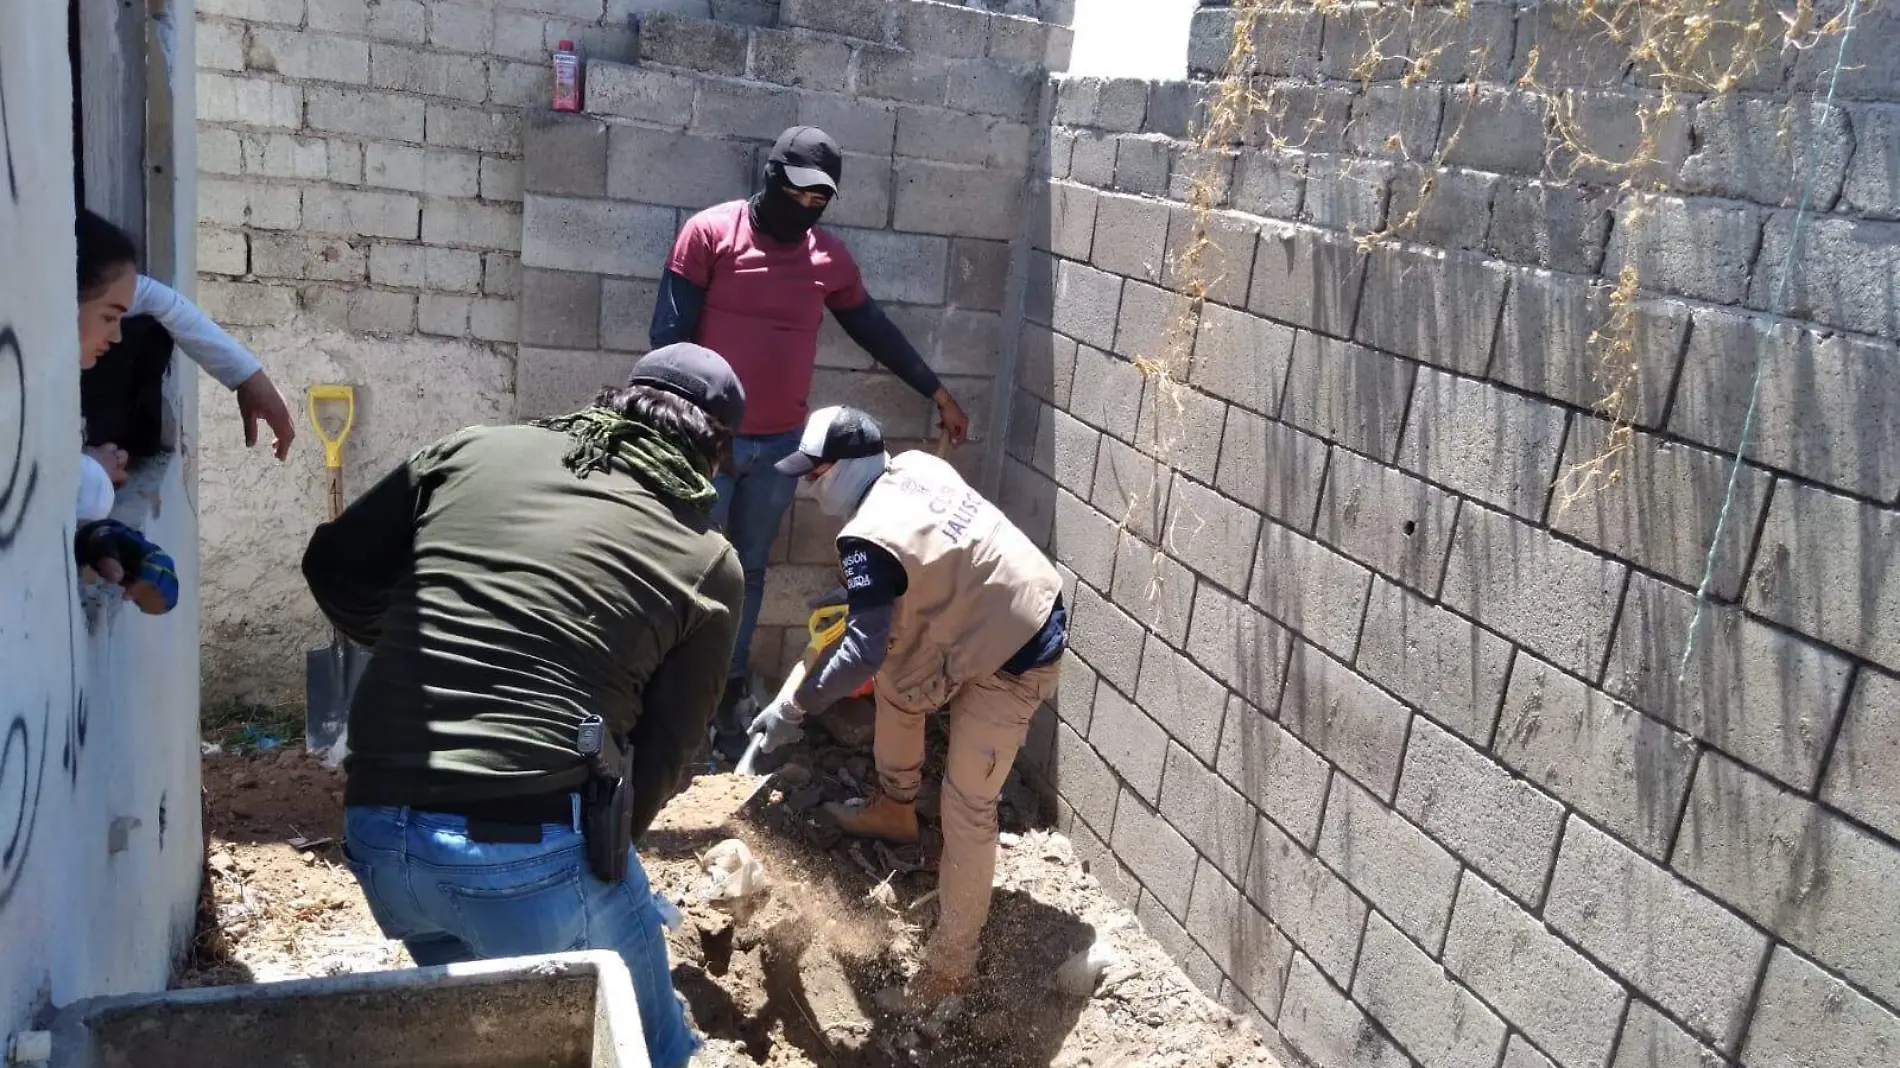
[606, 801]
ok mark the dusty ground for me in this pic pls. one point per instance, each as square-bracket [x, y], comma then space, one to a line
[800, 976]
[277, 911]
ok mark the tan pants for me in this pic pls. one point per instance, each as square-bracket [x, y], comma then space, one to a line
[989, 719]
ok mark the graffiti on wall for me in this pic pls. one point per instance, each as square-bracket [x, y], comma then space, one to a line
[6, 139]
[22, 752]
[29, 721]
[23, 743]
[20, 784]
[13, 364]
[23, 472]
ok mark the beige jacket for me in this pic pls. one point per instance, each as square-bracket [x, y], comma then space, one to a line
[978, 588]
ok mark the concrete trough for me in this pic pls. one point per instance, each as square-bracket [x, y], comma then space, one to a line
[569, 1010]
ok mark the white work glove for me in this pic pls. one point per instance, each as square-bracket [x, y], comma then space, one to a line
[778, 725]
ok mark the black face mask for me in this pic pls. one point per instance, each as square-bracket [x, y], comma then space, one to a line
[777, 215]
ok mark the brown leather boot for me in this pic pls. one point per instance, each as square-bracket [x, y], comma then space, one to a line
[882, 818]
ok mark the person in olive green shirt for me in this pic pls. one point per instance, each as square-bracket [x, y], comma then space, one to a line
[511, 582]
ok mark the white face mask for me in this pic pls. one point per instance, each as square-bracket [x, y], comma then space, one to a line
[841, 488]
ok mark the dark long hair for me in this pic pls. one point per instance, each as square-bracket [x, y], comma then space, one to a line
[674, 416]
[103, 250]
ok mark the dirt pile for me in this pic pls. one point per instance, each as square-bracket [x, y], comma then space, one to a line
[810, 975]
[803, 975]
[278, 902]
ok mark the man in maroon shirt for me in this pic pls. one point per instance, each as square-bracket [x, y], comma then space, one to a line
[751, 280]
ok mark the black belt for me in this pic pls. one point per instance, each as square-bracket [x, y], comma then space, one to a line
[509, 819]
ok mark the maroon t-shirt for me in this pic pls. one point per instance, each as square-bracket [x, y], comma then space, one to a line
[765, 301]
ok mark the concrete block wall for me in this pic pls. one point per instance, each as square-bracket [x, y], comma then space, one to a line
[1383, 739]
[1056, 12]
[361, 219]
[100, 836]
[360, 195]
[936, 107]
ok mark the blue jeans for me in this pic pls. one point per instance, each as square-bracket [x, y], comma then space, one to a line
[451, 900]
[752, 502]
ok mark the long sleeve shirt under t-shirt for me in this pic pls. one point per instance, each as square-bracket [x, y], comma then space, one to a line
[760, 303]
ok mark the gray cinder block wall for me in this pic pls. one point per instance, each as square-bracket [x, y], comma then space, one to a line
[1387, 744]
[364, 167]
[936, 107]
[359, 222]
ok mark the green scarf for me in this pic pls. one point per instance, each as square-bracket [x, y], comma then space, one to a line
[663, 462]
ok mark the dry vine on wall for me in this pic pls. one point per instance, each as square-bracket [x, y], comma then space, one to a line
[1673, 54]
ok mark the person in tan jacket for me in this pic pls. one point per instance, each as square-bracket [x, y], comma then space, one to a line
[950, 606]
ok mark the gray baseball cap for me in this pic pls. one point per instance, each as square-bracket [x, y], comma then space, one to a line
[810, 158]
[697, 373]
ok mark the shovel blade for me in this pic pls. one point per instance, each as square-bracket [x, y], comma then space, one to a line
[330, 677]
[749, 763]
[754, 802]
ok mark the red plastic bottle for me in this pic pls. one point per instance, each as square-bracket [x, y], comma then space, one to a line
[567, 78]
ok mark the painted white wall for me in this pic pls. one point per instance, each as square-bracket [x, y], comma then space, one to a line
[98, 710]
[1132, 38]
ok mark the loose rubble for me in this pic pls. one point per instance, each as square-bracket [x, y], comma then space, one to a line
[792, 943]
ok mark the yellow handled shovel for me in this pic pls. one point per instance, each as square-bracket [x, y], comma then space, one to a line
[330, 673]
[331, 393]
[825, 628]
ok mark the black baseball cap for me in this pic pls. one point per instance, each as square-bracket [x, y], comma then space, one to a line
[833, 434]
[697, 373]
[809, 157]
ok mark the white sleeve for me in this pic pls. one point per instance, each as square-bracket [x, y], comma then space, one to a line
[220, 354]
[95, 491]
